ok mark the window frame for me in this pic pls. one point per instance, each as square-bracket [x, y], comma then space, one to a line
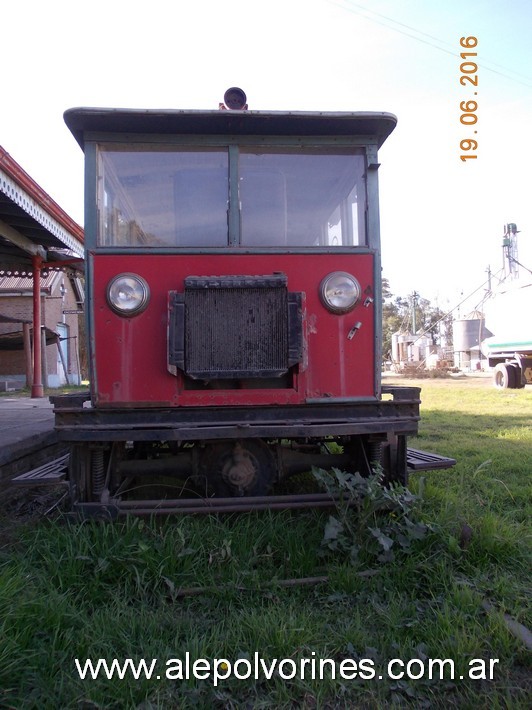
[95, 144]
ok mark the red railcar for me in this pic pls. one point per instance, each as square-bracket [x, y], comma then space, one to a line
[234, 302]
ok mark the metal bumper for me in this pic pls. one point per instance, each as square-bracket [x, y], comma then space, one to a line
[397, 414]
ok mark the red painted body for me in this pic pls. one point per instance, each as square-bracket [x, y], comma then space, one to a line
[130, 354]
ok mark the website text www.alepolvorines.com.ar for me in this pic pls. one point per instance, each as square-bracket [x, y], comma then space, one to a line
[258, 668]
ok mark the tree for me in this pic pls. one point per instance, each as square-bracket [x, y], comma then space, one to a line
[411, 314]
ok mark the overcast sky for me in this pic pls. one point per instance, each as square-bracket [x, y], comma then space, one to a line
[442, 219]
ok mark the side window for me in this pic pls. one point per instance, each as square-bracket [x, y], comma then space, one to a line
[346, 225]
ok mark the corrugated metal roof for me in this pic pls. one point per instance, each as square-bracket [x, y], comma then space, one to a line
[25, 283]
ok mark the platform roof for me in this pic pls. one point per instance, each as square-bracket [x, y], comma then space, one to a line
[32, 223]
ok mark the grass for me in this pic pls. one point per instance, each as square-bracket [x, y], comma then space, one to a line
[48, 391]
[90, 590]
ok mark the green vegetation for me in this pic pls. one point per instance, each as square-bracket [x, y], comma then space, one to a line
[49, 391]
[217, 587]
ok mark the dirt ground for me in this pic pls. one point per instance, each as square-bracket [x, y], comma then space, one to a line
[481, 379]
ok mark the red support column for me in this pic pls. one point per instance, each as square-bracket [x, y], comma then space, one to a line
[27, 353]
[37, 389]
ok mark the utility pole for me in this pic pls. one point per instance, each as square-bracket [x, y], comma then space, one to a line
[415, 296]
[509, 248]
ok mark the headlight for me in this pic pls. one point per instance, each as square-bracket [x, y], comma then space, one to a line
[128, 294]
[340, 292]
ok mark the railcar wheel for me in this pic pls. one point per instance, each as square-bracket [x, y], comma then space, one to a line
[237, 468]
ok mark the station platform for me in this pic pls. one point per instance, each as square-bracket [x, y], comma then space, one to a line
[27, 436]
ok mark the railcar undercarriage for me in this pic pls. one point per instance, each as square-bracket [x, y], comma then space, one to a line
[227, 459]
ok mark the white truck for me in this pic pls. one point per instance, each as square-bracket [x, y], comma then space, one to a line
[508, 313]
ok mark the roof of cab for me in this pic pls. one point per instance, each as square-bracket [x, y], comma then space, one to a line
[375, 125]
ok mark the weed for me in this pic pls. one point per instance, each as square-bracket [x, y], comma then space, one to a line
[372, 519]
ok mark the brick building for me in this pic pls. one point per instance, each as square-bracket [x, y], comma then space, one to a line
[61, 304]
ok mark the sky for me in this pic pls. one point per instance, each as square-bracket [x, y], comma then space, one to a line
[442, 219]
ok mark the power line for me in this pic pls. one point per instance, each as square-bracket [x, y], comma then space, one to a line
[350, 6]
[460, 304]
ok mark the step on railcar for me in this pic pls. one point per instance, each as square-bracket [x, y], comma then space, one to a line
[233, 304]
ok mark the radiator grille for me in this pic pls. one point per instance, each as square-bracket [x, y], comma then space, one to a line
[236, 327]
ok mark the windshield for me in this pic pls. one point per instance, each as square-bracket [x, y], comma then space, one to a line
[172, 196]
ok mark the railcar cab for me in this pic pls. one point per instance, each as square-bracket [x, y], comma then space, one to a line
[234, 297]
